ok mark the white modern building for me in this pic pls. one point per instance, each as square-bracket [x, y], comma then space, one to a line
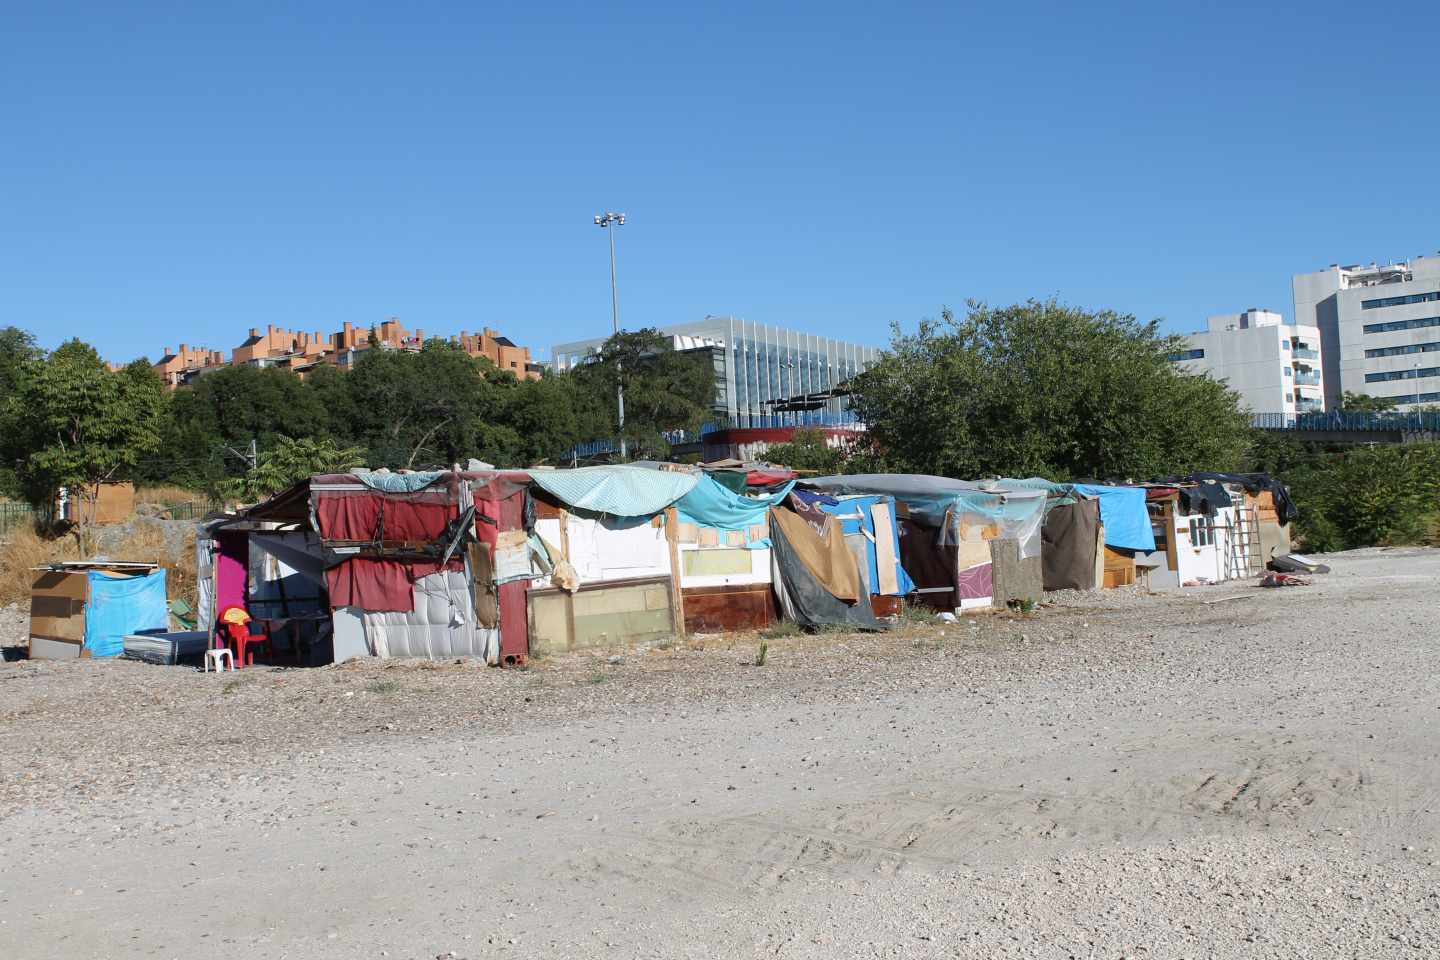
[756, 363]
[1275, 367]
[1379, 328]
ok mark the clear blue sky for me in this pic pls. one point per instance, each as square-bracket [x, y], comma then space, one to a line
[186, 171]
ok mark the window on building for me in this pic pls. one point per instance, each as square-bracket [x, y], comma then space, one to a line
[1431, 347]
[1287, 371]
[1400, 301]
[1410, 374]
[1202, 534]
[1187, 355]
[1397, 325]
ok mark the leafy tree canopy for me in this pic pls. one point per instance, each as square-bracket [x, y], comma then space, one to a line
[665, 389]
[808, 449]
[82, 423]
[291, 461]
[1364, 403]
[1040, 388]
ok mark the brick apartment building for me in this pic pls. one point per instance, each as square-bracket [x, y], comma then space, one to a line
[301, 351]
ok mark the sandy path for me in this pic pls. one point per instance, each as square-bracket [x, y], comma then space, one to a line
[1256, 777]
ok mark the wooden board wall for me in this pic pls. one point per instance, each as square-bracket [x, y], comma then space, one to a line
[748, 606]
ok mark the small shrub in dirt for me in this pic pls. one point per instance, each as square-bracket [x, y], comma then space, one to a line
[785, 628]
[383, 686]
[764, 654]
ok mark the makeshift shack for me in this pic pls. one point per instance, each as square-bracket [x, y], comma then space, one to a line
[871, 528]
[1076, 546]
[111, 501]
[1201, 536]
[949, 536]
[612, 554]
[86, 608]
[723, 549]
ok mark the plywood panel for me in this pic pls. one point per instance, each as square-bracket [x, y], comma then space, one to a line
[729, 609]
[728, 561]
[885, 559]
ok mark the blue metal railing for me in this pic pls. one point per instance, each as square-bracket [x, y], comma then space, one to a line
[1335, 420]
[1312, 379]
[1302, 354]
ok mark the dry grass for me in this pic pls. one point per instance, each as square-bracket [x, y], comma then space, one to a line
[24, 549]
[169, 495]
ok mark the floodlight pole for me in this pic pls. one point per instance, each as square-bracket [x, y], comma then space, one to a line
[609, 221]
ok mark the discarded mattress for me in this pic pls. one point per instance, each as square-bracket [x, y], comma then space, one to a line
[167, 649]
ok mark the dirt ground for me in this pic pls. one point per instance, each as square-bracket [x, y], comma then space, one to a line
[1221, 772]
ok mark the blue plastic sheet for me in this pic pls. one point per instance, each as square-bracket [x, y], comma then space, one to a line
[711, 505]
[617, 491]
[120, 606]
[1122, 510]
[856, 517]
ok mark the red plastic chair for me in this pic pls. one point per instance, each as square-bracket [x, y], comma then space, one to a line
[235, 623]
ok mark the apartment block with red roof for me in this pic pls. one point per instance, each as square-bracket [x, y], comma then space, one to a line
[183, 365]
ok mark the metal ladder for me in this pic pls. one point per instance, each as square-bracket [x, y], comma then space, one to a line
[1242, 556]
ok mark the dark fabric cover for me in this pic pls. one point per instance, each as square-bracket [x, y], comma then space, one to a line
[1203, 499]
[732, 480]
[814, 605]
[1068, 540]
[929, 564]
[1253, 484]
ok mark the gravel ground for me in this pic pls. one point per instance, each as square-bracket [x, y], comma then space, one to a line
[1219, 772]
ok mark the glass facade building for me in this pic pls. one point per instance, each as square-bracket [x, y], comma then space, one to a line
[755, 363]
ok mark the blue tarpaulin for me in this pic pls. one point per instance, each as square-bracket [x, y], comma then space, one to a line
[711, 505]
[1122, 510]
[119, 606]
[617, 491]
[856, 518]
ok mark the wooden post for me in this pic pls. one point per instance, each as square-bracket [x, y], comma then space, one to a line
[677, 596]
[569, 597]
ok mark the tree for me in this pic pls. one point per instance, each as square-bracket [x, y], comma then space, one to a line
[83, 423]
[1364, 403]
[223, 411]
[665, 389]
[807, 449]
[17, 349]
[433, 407]
[291, 461]
[1044, 389]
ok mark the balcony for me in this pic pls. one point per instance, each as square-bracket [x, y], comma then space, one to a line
[1304, 353]
[1307, 379]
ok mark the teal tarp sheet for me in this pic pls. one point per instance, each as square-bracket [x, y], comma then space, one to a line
[399, 482]
[1122, 510]
[618, 491]
[941, 502]
[711, 505]
[120, 606]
